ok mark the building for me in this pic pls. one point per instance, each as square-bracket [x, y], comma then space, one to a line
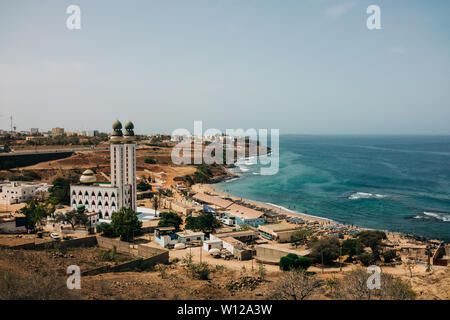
[57, 131]
[106, 198]
[272, 254]
[17, 192]
[244, 215]
[14, 223]
[166, 236]
[279, 231]
[34, 130]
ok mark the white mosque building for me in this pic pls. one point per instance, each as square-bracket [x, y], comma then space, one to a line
[106, 198]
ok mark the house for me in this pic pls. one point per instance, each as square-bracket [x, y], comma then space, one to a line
[212, 244]
[279, 231]
[242, 235]
[166, 236]
[244, 215]
[13, 224]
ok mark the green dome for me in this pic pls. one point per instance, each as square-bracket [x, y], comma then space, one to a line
[117, 125]
[81, 207]
[129, 125]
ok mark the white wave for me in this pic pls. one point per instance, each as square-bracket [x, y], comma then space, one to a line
[437, 215]
[366, 195]
[231, 180]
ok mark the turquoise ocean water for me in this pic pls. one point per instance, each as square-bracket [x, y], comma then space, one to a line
[396, 183]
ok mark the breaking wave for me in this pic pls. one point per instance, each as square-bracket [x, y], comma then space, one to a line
[366, 195]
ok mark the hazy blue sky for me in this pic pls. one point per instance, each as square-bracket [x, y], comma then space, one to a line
[300, 66]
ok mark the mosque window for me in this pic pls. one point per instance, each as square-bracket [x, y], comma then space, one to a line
[86, 193]
[99, 194]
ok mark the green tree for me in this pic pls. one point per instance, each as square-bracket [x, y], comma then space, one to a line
[61, 190]
[150, 160]
[389, 255]
[293, 261]
[170, 219]
[372, 239]
[366, 259]
[352, 247]
[105, 229]
[325, 250]
[73, 218]
[125, 223]
[35, 212]
[143, 186]
[300, 237]
[205, 222]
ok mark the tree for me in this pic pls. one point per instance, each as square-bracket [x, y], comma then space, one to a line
[352, 247]
[143, 186]
[294, 285]
[300, 237]
[61, 190]
[373, 240]
[389, 255]
[125, 223]
[325, 250]
[354, 287]
[293, 261]
[366, 259]
[150, 160]
[73, 218]
[35, 212]
[105, 229]
[205, 222]
[170, 219]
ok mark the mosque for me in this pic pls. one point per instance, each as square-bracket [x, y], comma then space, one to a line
[106, 198]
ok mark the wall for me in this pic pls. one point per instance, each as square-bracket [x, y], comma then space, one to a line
[74, 243]
[110, 243]
[272, 254]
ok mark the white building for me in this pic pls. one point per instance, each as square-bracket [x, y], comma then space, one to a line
[17, 192]
[106, 198]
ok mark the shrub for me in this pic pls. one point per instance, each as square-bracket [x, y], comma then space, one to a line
[326, 250]
[292, 262]
[150, 160]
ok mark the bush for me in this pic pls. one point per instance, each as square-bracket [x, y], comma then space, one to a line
[294, 262]
[150, 160]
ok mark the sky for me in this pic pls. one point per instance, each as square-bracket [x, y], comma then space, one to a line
[303, 66]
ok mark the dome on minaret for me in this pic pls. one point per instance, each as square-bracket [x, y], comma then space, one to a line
[129, 132]
[129, 125]
[116, 135]
[117, 125]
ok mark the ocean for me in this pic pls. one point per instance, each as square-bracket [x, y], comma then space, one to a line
[394, 183]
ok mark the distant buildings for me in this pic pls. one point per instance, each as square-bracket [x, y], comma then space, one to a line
[57, 131]
[34, 131]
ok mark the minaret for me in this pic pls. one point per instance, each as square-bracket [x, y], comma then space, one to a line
[130, 162]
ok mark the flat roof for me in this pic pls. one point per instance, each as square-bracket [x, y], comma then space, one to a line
[276, 227]
[190, 233]
[242, 212]
[212, 200]
[282, 249]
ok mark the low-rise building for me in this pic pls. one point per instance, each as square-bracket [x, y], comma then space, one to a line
[279, 231]
[17, 192]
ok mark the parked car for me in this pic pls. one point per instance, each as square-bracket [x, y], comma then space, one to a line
[67, 238]
[55, 236]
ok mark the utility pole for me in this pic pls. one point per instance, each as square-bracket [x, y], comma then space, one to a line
[321, 253]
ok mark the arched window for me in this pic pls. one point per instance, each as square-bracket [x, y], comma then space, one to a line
[99, 203]
[106, 194]
[106, 214]
[93, 194]
[74, 193]
[113, 195]
[113, 204]
[106, 203]
[86, 202]
[74, 201]
[99, 194]
[93, 203]
[79, 202]
[86, 193]
[80, 193]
